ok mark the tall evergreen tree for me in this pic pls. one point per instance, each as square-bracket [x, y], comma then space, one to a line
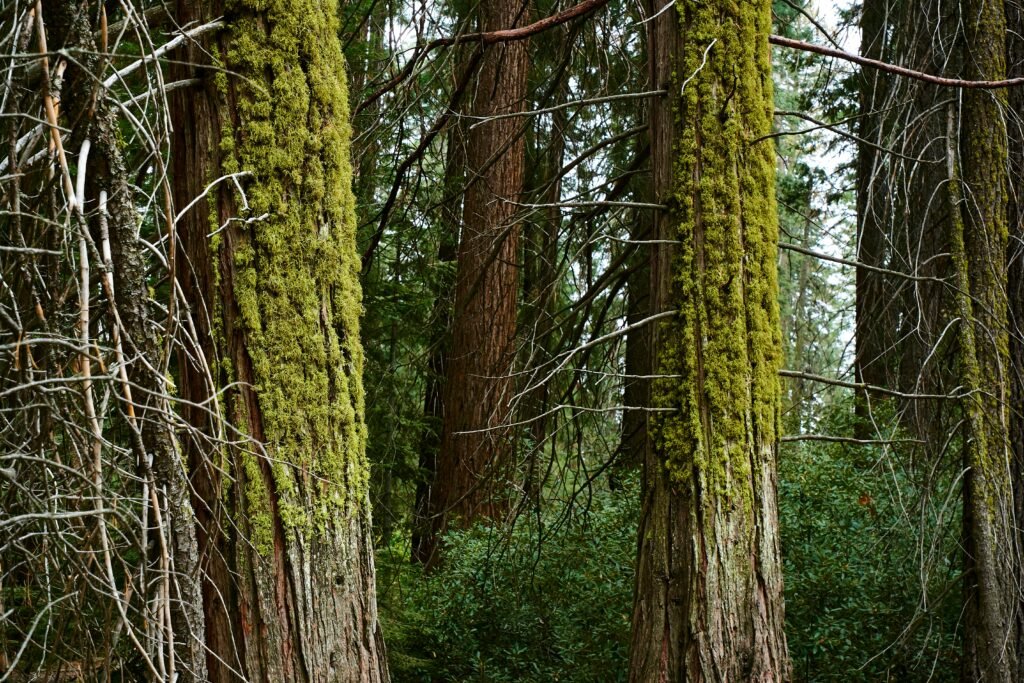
[283, 504]
[979, 193]
[708, 600]
[475, 457]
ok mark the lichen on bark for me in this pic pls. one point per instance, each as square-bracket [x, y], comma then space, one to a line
[978, 159]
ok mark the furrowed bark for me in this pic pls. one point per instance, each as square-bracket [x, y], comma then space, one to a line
[283, 494]
[474, 462]
[869, 338]
[708, 599]
[979, 194]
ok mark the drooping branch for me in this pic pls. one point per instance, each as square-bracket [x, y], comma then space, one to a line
[793, 374]
[859, 264]
[893, 68]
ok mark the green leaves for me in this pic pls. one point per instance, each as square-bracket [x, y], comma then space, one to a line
[548, 600]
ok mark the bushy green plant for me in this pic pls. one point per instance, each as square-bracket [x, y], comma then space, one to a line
[859, 543]
[548, 600]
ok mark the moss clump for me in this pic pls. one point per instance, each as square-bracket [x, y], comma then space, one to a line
[725, 343]
[295, 268]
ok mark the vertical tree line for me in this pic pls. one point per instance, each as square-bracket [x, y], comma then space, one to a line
[542, 283]
[708, 603]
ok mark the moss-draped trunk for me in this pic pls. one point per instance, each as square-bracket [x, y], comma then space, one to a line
[272, 275]
[979, 191]
[708, 602]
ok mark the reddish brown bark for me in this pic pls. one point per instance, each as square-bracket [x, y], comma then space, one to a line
[474, 462]
[284, 535]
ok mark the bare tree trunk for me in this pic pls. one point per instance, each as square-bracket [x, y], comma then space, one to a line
[900, 340]
[540, 282]
[708, 600]
[146, 406]
[870, 333]
[441, 319]
[273, 274]
[635, 441]
[474, 462]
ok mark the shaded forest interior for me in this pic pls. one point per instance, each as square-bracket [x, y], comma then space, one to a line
[512, 340]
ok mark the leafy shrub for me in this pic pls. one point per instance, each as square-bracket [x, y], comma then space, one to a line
[856, 556]
[549, 600]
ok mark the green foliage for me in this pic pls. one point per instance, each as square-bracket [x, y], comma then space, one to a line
[549, 600]
[854, 564]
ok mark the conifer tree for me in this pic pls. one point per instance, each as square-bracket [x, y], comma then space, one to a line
[708, 600]
[273, 273]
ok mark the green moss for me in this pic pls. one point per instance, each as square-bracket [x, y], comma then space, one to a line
[726, 341]
[261, 524]
[295, 265]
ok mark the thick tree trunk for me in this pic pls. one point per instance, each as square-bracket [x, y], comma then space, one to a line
[871, 214]
[902, 340]
[474, 462]
[708, 601]
[979, 242]
[273, 275]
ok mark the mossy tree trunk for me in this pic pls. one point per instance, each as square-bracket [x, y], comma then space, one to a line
[1015, 264]
[708, 600]
[474, 461]
[979, 192]
[272, 275]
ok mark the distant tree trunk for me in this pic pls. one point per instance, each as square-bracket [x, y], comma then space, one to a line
[474, 461]
[708, 599]
[441, 321]
[635, 439]
[978, 188]
[540, 281]
[284, 517]
[797, 404]
[870, 330]
[902, 221]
